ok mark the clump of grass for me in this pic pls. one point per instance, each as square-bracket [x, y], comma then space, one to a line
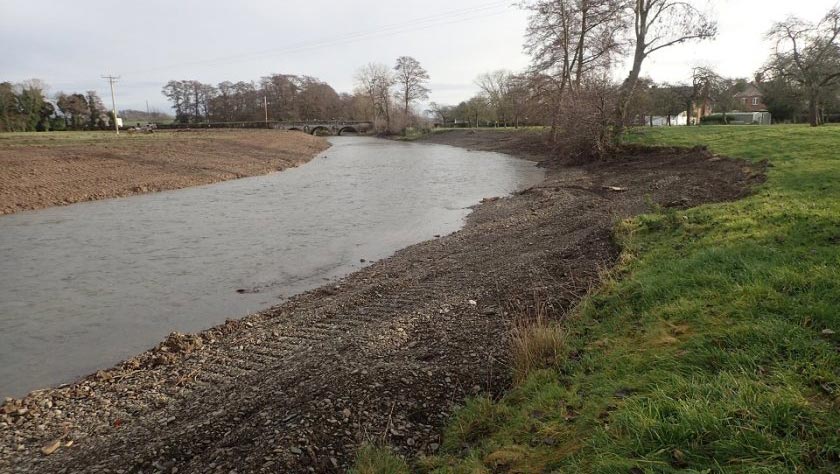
[378, 460]
[536, 343]
[478, 418]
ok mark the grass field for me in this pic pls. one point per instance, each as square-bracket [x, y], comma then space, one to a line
[713, 347]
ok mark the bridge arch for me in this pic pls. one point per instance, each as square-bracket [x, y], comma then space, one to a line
[347, 129]
[319, 128]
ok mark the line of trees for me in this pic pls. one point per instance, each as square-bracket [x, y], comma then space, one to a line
[26, 107]
[788, 101]
[277, 97]
[382, 95]
[574, 46]
[506, 99]
[799, 82]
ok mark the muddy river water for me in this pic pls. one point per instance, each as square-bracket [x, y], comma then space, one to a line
[85, 286]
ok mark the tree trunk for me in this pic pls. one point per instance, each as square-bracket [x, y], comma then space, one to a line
[627, 90]
[581, 48]
[814, 109]
[555, 129]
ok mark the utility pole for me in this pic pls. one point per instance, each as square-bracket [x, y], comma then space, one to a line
[112, 80]
[265, 106]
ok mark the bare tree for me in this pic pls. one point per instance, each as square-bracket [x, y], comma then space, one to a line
[411, 80]
[546, 101]
[809, 55]
[585, 120]
[569, 39]
[476, 110]
[375, 82]
[703, 81]
[659, 24]
[571, 42]
[190, 99]
[317, 100]
[442, 112]
[496, 87]
[280, 92]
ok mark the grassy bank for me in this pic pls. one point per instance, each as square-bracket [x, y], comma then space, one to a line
[713, 347]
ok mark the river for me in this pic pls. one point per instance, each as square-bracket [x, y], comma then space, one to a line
[85, 286]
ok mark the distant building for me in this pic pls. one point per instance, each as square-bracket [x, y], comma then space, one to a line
[666, 120]
[678, 97]
[751, 99]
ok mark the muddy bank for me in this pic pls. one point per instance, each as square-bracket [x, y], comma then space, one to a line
[39, 170]
[384, 355]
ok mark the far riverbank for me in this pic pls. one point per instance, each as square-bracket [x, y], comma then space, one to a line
[39, 170]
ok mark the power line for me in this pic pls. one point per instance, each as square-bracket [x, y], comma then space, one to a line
[417, 24]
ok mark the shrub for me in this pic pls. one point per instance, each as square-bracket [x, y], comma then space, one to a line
[583, 122]
[536, 343]
[715, 119]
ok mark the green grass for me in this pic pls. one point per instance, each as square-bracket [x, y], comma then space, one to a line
[712, 348]
[378, 460]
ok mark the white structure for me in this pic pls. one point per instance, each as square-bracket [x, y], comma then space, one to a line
[749, 118]
[662, 120]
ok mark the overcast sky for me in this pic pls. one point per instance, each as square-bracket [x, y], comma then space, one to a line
[70, 44]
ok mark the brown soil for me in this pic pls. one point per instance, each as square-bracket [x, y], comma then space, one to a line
[384, 356]
[42, 170]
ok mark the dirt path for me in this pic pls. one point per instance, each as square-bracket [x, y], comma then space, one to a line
[385, 355]
[40, 170]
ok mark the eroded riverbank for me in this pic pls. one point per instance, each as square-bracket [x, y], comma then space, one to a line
[384, 355]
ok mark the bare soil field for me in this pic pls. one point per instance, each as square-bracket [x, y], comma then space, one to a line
[383, 356]
[39, 170]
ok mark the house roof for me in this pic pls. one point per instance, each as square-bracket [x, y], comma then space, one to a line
[751, 91]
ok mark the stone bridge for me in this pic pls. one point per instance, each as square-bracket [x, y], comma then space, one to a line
[324, 127]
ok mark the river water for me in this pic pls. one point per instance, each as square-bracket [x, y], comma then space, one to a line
[85, 286]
